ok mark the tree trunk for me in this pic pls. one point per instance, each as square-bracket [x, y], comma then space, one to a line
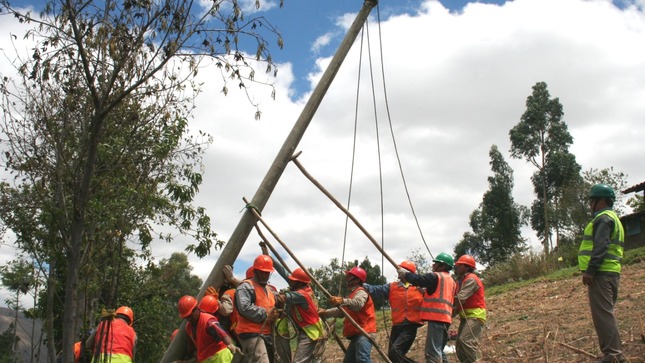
[49, 312]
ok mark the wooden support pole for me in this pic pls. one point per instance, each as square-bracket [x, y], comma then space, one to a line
[231, 250]
[342, 208]
[321, 287]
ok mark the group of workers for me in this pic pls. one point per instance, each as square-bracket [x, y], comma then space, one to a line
[247, 321]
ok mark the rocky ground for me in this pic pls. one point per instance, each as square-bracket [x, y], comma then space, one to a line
[547, 321]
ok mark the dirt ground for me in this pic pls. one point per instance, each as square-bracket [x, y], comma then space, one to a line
[545, 322]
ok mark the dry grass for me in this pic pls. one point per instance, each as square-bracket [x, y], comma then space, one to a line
[546, 322]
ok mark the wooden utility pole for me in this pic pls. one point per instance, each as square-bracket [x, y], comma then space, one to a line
[231, 250]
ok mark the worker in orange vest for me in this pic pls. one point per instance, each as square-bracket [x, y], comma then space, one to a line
[256, 313]
[470, 304]
[436, 308]
[208, 338]
[405, 303]
[360, 306]
[114, 339]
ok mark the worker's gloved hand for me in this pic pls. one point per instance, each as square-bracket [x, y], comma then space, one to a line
[335, 300]
[273, 315]
[587, 279]
[321, 312]
[401, 271]
[234, 349]
[265, 250]
[228, 272]
[212, 292]
[281, 298]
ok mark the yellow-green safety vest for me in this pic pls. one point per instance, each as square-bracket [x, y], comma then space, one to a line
[611, 263]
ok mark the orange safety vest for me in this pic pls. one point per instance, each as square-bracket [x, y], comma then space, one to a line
[476, 300]
[264, 299]
[121, 338]
[233, 316]
[405, 303]
[77, 352]
[207, 346]
[366, 317]
[438, 305]
[306, 315]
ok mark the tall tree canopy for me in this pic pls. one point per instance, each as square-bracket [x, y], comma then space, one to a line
[96, 130]
[543, 139]
[496, 223]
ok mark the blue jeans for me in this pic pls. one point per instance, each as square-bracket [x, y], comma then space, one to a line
[359, 350]
[436, 340]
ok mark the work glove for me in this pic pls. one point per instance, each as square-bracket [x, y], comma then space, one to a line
[336, 300]
[280, 299]
[212, 292]
[234, 349]
[273, 315]
[265, 250]
[401, 271]
[228, 272]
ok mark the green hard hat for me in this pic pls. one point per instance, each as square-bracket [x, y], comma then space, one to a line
[602, 191]
[445, 258]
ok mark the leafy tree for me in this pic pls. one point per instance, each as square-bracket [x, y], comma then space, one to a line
[423, 264]
[497, 221]
[637, 203]
[97, 128]
[8, 345]
[542, 138]
[18, 276]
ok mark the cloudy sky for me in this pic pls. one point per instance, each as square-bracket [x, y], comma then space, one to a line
[457, 76]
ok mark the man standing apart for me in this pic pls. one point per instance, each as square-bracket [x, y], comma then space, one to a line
[405, 302]
[599, 260]
[360, 307]
[256, 311]
[470, 304]
[436, 307]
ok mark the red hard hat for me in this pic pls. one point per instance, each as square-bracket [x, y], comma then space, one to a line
[263, 263]
[249, 272]
[186, 305]
[467, 260]
[209, 304]
[409, 265]
[126, 311]
[358, 272]
[300, 275]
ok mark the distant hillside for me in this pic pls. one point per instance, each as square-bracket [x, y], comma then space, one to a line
[546, 320]
[7, 317]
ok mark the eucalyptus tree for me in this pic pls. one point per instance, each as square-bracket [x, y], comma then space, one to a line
[96, 126]
[543, 139]
[496, 223]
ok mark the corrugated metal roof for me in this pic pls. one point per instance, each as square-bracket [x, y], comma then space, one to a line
[635, 188]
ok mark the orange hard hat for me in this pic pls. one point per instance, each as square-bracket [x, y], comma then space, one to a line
[209, 304]
[467, 260]
[263, 263]
[127, 312]
[249, 272]
[186, 305]
[358, 272]
[409, 265]
[300, 275]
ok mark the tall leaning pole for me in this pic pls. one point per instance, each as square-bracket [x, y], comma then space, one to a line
[247, 221]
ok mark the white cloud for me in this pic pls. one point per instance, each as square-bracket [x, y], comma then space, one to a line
[457, 83]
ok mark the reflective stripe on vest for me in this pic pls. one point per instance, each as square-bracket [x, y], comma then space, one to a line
[366, 317]
[611, 262]
[405, 303]
[121, 340]
[207, 346]
[438, 305]
[264, 299]
[475, 305]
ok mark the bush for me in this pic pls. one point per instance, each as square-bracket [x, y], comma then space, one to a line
[520, 267]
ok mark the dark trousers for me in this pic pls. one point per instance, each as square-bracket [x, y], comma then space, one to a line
[401, 338]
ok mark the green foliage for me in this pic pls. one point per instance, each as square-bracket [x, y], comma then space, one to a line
[634, 256]
[424, 265]
[520, 267]
[8, 343]
[542, 138]
[636, 203]
[332, 278]
[496, 223]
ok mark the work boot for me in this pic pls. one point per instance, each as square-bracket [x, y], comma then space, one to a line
[612, 359]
